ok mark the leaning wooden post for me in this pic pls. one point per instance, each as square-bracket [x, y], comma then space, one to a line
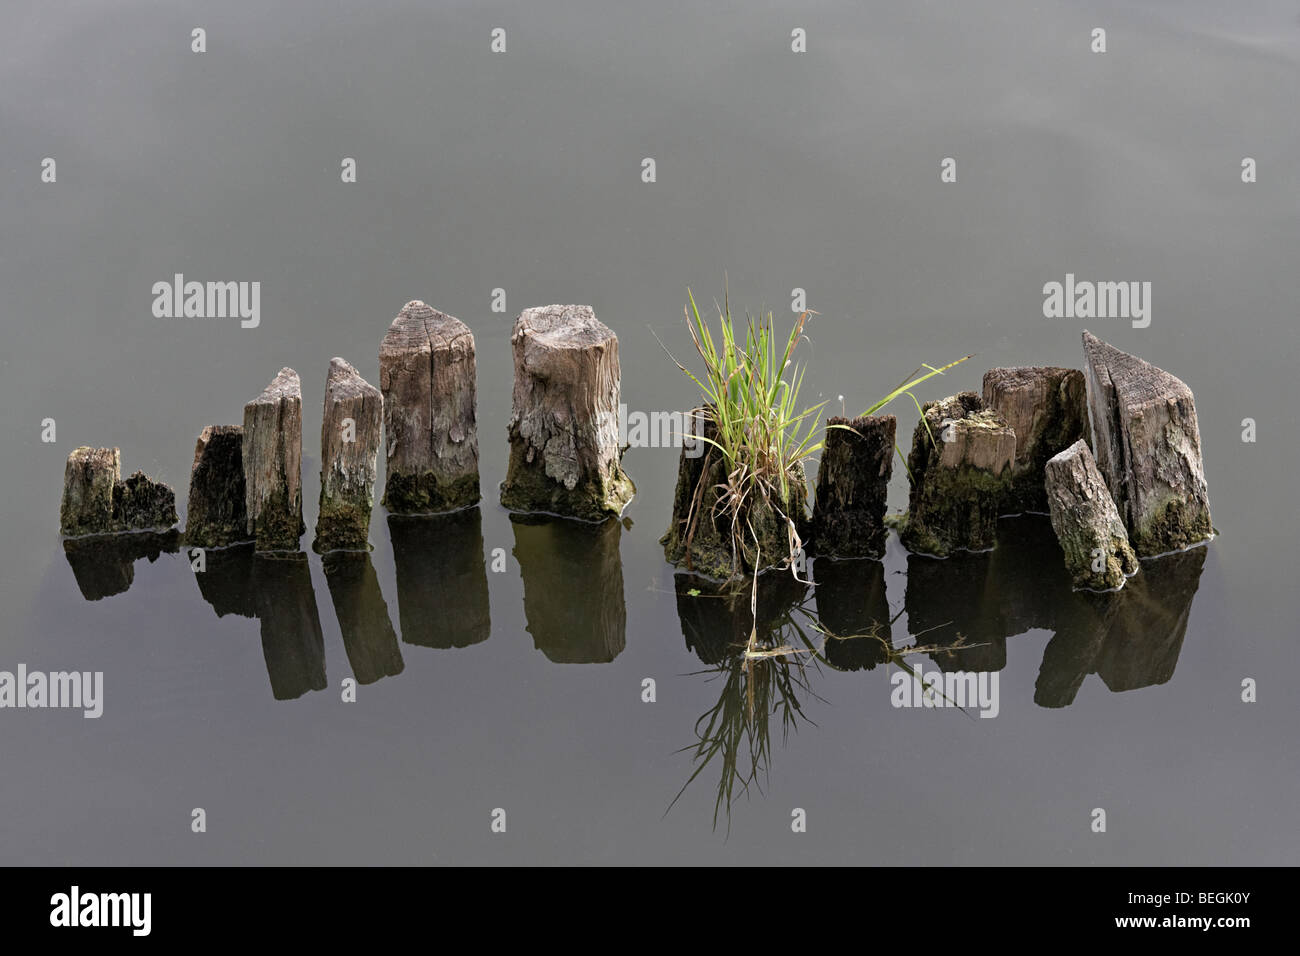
[427, 375]
[272, 454]
[565, 456]
[349, 456]
[1147, 443]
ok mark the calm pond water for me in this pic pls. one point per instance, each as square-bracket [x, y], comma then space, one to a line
[522, 689]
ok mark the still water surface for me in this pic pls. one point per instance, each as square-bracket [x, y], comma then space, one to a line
[523, 689]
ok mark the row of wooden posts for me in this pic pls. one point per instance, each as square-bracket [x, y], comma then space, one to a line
[246, 481]
[1111, 452]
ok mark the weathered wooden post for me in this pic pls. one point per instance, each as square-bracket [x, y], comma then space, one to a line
[565, 457]
[1147, 444]
[349, 458]
[1047, 407]
[272, 454]
[702, 535]
[427, 375]
[960, 468]
[1096, 546]
[217, 513]
[97, 501]
[88, 481]
[853, 486]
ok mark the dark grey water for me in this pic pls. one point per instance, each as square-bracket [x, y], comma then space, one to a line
[522, 689]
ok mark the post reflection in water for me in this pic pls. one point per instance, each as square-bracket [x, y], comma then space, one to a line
[104, 564]
[442, 587]
[276, 589]
[960, 612]
[851, 603]
[573, 587]
[368, 635]
[969, 604]
[729, 630]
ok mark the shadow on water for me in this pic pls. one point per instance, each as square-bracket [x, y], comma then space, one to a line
[442, 587]
[104, 565]
[277, 590]
[573, 587]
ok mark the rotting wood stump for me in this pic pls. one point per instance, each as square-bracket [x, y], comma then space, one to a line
[349, 458]
[960, 467]
[96, 500]
[703, 536]
[853, 487]
[427, 374]
[1147, 444]
[217, 515]
[1047, 407]
[272, 454]
[1096, 545]
[565, 457]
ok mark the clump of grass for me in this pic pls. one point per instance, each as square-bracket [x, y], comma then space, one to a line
[750, 386]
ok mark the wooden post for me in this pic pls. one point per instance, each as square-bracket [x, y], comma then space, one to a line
[565, 457]
[97, 501]
[272, 455]
[1096, 547]
[853, 486]
[427, 375]
[960, 468]
[217, 513]
[1047, 408]
[1148, 446]
[349, 457]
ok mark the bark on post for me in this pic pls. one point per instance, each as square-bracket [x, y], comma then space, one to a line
[217, 513]
[565, 457]
[427, 376]
[960, 468]
[1047, 408]
[1096, 546]
[852, 487]
[272, 454]
[1148, 446]
[349, 457]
